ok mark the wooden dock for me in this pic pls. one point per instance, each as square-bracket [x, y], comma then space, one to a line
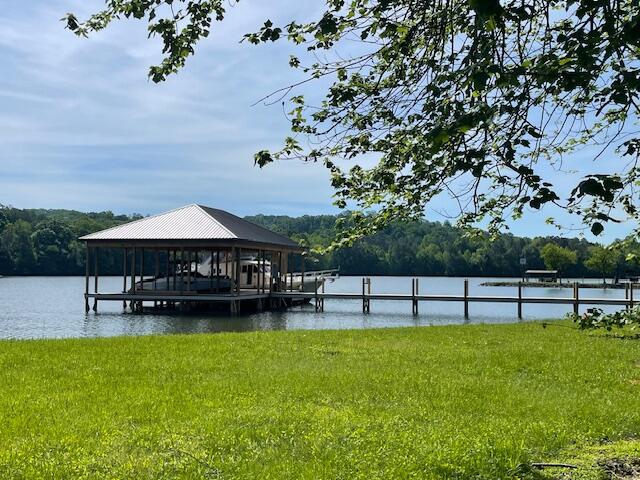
[263, 300]
[365, 296]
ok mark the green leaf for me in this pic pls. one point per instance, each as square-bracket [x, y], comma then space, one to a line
[597, 228]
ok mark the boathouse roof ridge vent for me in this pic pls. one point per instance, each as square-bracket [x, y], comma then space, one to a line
[195, 223]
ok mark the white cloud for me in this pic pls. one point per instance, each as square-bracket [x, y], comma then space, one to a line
[82, 127]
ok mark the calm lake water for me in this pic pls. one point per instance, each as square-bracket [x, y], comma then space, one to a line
[53, 307]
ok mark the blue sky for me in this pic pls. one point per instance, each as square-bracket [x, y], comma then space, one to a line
[82, 127]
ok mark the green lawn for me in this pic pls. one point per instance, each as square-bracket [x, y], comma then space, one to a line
[442, 402]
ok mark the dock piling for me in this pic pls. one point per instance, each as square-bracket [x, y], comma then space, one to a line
[576, 298]
[124, 276]
[217, 271]
[519, 300]
[626, 295]
[466, 298]
[95, 278]
[415, 291]
[86, 281]
[133, 275]
[366, 291]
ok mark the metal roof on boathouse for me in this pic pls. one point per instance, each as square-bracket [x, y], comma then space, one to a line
[192, 225]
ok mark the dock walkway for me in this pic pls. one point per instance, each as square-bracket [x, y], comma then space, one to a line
[260, 300]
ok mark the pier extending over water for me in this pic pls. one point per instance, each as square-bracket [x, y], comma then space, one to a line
[274, 299]
[217, 244]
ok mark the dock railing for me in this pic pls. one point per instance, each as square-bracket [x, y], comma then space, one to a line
[317, 293]
[366, 296]
[288, 280]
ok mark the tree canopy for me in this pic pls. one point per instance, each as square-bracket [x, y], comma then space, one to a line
[45, 242]
[603, 260]
[557, 258]
[478, 100]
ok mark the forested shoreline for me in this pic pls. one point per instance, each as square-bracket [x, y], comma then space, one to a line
[44, 242]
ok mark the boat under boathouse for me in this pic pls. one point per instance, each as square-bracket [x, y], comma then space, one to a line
[198, 256]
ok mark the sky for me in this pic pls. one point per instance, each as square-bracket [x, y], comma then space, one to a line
[82, 127]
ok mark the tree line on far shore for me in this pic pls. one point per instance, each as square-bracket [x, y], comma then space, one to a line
[45, 242]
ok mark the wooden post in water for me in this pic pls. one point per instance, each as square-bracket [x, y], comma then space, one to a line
[281, 273]
[140, 303]
[259, 273]
[264, 273]
[157, 273]
[86, 280]
[168, 270]
[226, 269]
[315, 285]
[95, 278]
[155, 278]
[189, 270]
[142, 268]
[124, 275]
[211, 271]
[276, 259]
[302, 257]
[238, 256]
[217, 271]
[631, 295]
[576, 299]
[466, 298]
[366, 291]
[174, 272]
[415, 293]
[270, 272]
[322, 299]
[520, 300]
[626, 295]
[181, 271]
[413, 296]
[133, 275]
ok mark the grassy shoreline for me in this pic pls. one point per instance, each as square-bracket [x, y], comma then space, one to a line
[443, 402]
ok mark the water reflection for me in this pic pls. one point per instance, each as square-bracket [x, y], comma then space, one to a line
[37, 307]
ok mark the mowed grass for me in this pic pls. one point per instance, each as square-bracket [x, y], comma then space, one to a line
[475, 401]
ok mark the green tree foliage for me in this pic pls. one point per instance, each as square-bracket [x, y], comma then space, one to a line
[471, 99]
[428, 248]
[602, 260]
[53, 243]
[44, 242]
[558, 258]
[18, 245]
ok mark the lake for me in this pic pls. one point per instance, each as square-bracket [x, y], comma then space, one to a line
[53, 307]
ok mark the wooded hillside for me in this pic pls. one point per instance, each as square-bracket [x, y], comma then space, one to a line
[44, 242]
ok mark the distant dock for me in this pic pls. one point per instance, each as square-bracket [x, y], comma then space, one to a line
[533, 284]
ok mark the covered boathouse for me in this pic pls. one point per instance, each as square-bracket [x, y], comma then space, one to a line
[195, 256]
